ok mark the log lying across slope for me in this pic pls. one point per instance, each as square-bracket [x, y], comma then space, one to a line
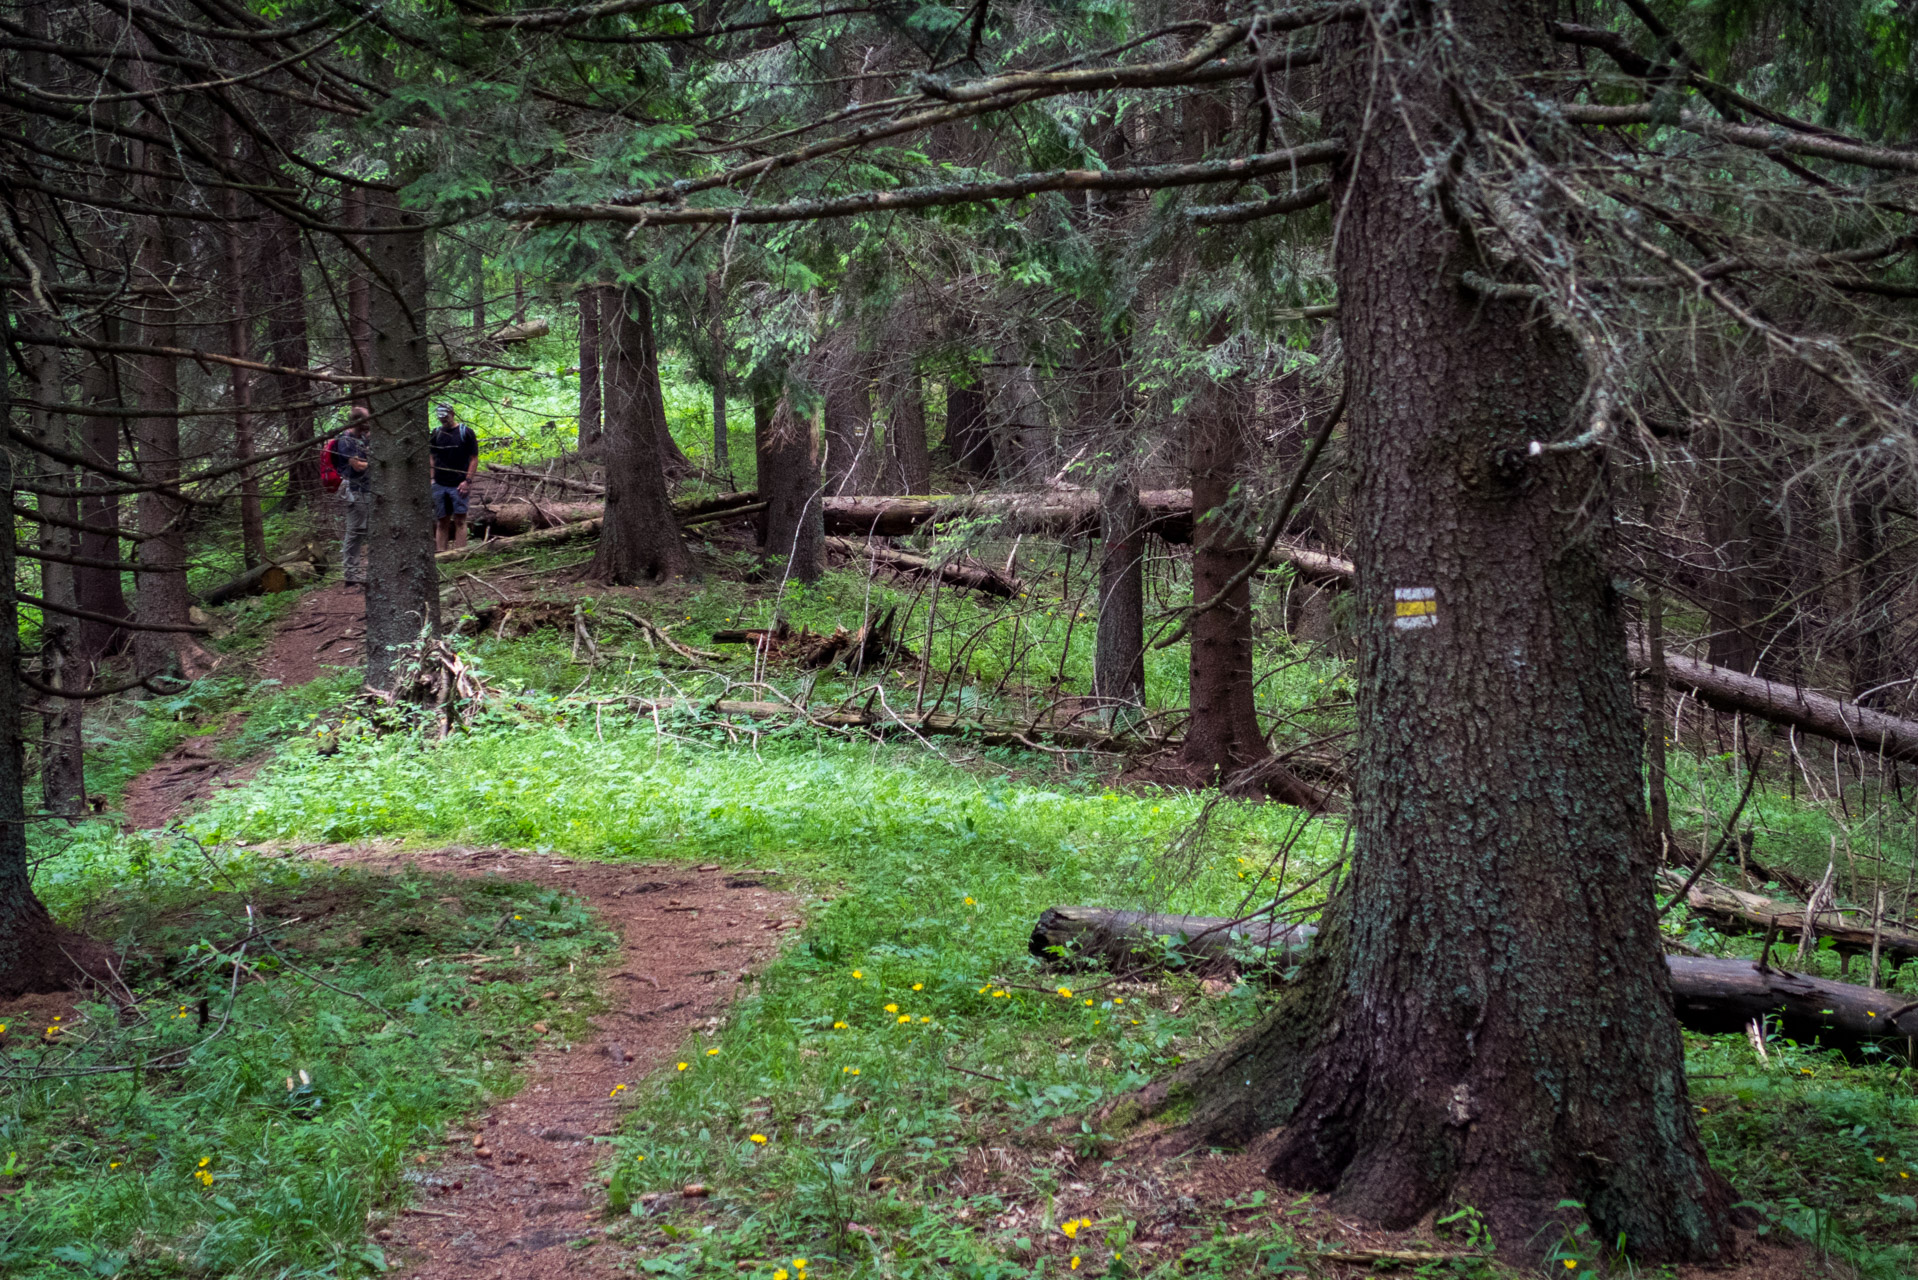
[1709, 995]
[1128, 941]
[1736, 911]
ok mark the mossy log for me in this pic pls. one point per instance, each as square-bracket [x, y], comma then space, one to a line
[1710, 995]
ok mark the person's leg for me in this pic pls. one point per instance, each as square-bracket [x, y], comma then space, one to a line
[353, 549]
[458, 531]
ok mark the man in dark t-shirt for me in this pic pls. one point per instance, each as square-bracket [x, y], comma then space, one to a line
[455, 459]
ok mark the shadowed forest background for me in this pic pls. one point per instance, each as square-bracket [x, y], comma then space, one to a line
[1140, 640]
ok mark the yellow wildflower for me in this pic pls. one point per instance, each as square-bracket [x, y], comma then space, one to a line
[1065, 993]
[839, 1026]
[617, 1090]
[759, 1138]
[1075, 1262]
[918, 986]
[681, 1066]
[905, 1017]
[711, 1052]
[857, 974]
[892, 1008]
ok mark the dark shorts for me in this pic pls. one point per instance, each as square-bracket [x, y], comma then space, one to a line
[448, 501]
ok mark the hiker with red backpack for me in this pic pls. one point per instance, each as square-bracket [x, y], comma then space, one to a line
[346, 456]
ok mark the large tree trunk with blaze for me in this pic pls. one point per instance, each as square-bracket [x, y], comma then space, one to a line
[1489, 1022]
[402, 592]
[640, 541]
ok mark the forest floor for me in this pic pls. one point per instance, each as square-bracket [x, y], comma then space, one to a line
[518, 1187]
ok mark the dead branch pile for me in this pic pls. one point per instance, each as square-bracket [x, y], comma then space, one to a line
[869, 648]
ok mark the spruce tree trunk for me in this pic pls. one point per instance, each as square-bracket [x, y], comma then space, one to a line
[640, 540]
[968, 434]
[790, 485]
[592, 419]
[161, 582]
[905, 392]
[765, 404]
[1222, 739]
[846, 382]
[1490, 1021]
[30, 943]
[100, 590]
[716, 355]
[402, 591]
[359, 298]
[1118, 663]
[239, 344]
[286, 339]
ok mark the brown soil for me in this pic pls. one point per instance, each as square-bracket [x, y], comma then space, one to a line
[326, 629]
[517, 1195]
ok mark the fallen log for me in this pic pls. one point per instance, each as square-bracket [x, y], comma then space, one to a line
[960, 573]
[1134, 941]
[510, 517]
[1872, 732]
[558, 482]
[523, 331]
[1735, 911]
[263, 579]
[1710, 995]
[1064, 513]
[537, 538]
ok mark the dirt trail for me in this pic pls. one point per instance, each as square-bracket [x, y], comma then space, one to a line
[522, 1203]
[326, 629]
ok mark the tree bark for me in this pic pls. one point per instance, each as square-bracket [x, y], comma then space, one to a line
[904, 390]
[31, 958]
[716, 356]
[286, 339]
[239, 344]
[100, 591]
[640, 540]
[1118, 663]
[789, 482]
[162, 595]
[591, 411]
[402, 593]
[1489, 1022]
[1222, 738]
[846, 384]
[765, 404]
[359, 297]
[968, 433]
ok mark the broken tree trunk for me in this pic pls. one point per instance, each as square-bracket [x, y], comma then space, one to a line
[1071, 513]
[959, 573]
[1732, 910]
[512, 516]
[1712, 996]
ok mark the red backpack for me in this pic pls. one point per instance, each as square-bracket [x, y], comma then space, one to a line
[330, 478]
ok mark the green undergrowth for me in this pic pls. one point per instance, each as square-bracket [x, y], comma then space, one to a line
[299, 1032]
[1002, 657]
